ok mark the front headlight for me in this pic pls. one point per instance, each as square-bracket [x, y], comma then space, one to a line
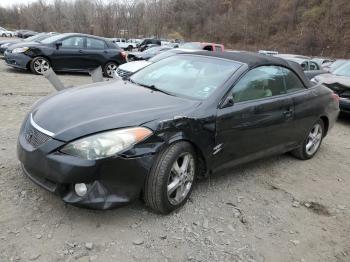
[106, 144]
[20, 50]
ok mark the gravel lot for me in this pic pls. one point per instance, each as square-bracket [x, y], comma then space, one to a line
[277, 209]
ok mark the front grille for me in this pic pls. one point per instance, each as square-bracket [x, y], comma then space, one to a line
[123, 73]
[33, 136]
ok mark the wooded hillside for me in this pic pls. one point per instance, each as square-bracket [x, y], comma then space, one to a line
[310, 27]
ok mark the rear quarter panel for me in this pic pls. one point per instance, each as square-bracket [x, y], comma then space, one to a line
[312, 104]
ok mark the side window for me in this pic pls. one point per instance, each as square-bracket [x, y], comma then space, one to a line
[208, 48]
[304, 66]
[260, 82]
[293, 83]
[92, 43]
[73, 42]
[314, 66]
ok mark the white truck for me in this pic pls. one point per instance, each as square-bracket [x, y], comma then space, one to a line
[127, 45]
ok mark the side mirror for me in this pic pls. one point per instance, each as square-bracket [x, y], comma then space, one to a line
[58, 44]
[228, 102]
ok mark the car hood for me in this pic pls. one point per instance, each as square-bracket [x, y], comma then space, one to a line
[134, 66]
[24, 44]
[77, 112]
[331, 80]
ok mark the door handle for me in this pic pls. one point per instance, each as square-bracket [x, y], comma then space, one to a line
[81, 51]
[288, 113]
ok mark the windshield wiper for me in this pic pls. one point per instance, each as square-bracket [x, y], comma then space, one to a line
[152, 87]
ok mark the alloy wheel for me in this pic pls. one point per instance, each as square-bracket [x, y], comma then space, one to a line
[111, 68]
[41, 65]
[181, 178]
[314, 139]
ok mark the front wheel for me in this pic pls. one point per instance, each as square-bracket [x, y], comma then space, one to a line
[39, 65]
[109, 69]
[312, 142]
[170, 182]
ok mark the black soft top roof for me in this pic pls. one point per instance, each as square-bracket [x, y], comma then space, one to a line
[254, 60]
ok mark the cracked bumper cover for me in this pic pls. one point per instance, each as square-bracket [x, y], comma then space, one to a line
[18, 60]
[111, 182]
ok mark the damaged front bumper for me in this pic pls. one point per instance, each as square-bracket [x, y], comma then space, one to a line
[111, 182]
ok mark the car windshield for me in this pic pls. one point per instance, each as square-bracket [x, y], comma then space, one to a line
[344, 70]
[195, 77]
[52, 39]
[336, 65]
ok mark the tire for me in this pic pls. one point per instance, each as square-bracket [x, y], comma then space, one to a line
[39, 65]
[108, 69]
[130, 48]
[3, 35]
[305, 152]
[168, 186]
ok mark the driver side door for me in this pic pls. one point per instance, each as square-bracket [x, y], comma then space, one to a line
[259, 122]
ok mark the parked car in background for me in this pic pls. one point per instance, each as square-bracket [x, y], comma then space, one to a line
[25, 33]
[331, 66]
[310, 67]
[183, 117]
[339, 82]
[6, 33]
[147, 42]
[203, 46]
[148, 53]
[129, 68]
[29, 34]
[124, 44]
[36, 38]
[267, 52]
[322, 60]
[19, 33]
[135, 40]
[66, 52]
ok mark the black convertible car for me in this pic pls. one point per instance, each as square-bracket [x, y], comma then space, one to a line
[103, 145]
[66, 52]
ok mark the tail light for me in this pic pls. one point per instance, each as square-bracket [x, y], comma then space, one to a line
[124, 55]
[336, 97]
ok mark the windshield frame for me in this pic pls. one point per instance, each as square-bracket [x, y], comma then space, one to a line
[212, 94]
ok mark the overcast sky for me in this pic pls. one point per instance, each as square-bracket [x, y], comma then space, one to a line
[8, 3]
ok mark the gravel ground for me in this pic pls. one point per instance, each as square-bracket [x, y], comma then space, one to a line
[276, 209]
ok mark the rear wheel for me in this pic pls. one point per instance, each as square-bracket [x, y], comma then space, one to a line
[109, 69]
[39, 65]
[312, 142]
[171, 180]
